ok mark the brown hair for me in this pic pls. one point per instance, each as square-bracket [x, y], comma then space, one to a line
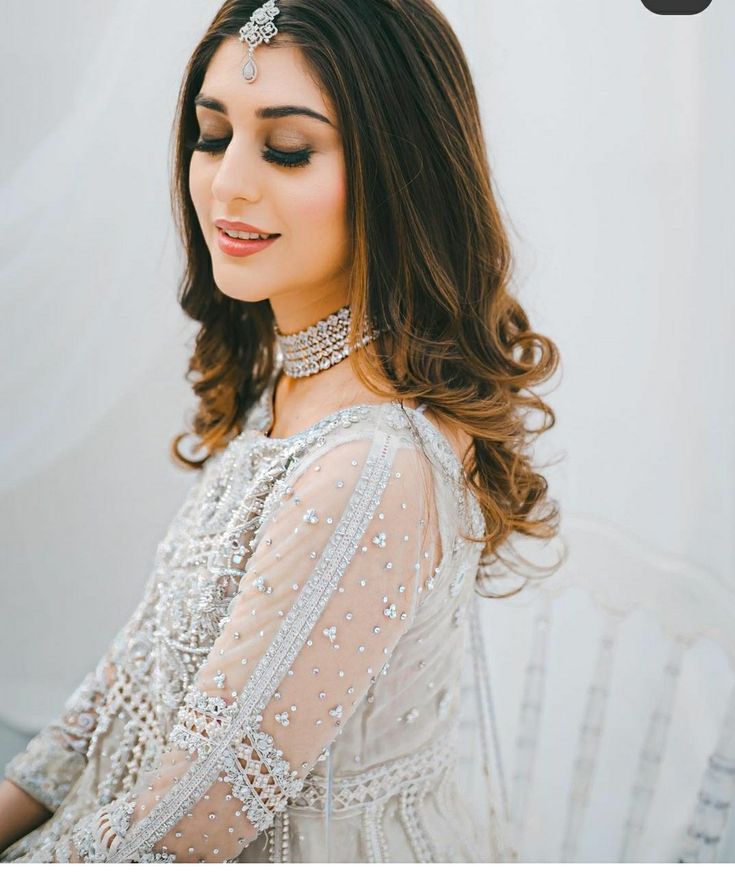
[431, 258]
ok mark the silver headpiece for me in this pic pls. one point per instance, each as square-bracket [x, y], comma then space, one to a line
[260, 28]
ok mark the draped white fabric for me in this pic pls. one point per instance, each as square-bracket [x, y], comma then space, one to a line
[610, 137]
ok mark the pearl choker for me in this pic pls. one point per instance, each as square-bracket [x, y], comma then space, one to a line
[320, 345]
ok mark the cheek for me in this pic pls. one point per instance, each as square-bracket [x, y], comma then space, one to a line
[200, 187]
[320, 204]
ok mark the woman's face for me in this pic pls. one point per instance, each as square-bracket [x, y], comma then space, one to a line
[304, 270]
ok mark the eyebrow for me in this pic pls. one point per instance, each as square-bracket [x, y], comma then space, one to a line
[263, 111]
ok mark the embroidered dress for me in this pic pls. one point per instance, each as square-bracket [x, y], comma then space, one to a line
[288, 688]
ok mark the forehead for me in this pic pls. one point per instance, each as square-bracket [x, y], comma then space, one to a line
[283, 77]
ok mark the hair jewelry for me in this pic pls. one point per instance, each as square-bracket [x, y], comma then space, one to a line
[260, 28]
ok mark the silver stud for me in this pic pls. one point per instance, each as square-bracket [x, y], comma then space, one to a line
[259, 583]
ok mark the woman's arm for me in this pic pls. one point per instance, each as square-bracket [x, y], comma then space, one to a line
[19, 813]
[40, 776]
[56, 756]
[328, 591]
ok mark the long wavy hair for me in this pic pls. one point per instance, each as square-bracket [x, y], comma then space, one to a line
[431, 261]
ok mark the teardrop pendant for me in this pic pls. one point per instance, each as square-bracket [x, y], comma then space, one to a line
[249, 70]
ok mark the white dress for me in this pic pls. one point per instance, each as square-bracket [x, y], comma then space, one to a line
[288, 688]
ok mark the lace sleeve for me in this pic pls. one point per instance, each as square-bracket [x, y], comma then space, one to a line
[328, 591]
[54, 758]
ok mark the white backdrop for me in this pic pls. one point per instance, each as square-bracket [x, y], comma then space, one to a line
[611, 139]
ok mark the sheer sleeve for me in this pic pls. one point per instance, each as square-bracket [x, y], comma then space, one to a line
[54, 758]
[330, 587]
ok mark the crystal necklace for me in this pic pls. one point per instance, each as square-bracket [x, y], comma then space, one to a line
[320, 345]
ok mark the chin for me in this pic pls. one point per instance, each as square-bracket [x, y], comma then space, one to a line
[240, 294]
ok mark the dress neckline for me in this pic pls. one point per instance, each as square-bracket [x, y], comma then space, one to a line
[266, 407]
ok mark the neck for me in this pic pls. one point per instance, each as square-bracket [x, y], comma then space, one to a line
[321, 344]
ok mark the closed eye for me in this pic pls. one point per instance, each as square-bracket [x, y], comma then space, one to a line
[298, 158]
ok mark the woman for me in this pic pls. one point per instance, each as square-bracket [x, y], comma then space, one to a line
[288, 688]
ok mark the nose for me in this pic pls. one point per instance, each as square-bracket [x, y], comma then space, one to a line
[237, 174]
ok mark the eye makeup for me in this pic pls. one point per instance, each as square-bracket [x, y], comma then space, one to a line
[290, 159]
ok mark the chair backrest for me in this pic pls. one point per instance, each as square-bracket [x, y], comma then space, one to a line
[613, 687]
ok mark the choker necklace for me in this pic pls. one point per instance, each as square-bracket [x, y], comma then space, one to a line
[320, 345]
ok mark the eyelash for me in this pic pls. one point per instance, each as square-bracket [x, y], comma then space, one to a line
[273, 156]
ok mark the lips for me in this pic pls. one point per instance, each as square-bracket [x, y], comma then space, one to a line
[242, 247]
[224, 230]
[226, 224]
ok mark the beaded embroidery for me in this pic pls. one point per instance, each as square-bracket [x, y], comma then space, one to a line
[200, 590]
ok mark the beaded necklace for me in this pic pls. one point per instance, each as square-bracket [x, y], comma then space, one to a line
[321, 345]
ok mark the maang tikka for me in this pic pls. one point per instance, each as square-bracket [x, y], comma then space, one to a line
[260, 28]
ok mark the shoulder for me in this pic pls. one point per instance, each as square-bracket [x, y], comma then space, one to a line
[339, 391]
[392, 434]
[459, 440]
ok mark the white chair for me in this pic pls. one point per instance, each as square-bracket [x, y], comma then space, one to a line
[611, 688]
